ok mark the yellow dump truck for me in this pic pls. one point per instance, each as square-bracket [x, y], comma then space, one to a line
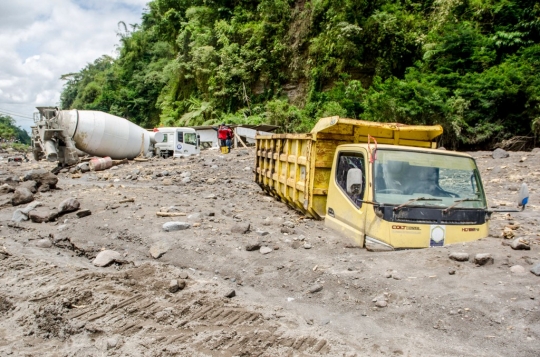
[386, 186]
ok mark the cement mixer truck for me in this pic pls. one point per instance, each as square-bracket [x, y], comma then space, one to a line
[61, 135]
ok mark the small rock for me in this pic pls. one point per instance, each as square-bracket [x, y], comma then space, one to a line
[459, 256]
[5, 188]
[112, 343]
[307, 246]
[265, 250]
[44, 243]
[288, 224]
[68, 205]
[107, 257]
[381, 303]
[157, 250]
[254, 245]
[19, 216]
[230, 294]
[517, 269]
[186, 180]
[175, 226]
[483, 259]
[452, 271]
[315, 288]
[167, 182]
[176, 285]
[508, 233]
[520, 244]
[84, 167]
[499, 154]
[211, 197]
[262, 233]
[194, 216]
[536, 269]
[241, 228]
[287, 230]
[84, 213]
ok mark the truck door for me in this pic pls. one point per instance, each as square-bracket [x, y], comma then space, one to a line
[346, 211]
[187, 143]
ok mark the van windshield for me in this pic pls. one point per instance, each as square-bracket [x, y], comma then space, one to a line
[404, 176]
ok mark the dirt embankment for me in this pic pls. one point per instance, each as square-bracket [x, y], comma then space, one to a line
[241, 274]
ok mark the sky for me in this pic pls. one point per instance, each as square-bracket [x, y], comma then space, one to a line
[42, 40]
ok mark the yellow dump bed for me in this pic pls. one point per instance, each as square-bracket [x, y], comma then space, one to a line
[296, 167]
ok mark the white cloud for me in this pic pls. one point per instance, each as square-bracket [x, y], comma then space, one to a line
[41, 40]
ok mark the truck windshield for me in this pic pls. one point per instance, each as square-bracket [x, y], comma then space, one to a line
[402, 176]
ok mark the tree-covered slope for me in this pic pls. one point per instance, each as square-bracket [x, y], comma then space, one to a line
[472, 66]
[11, 133]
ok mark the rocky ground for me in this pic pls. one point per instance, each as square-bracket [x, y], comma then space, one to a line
[93, 264]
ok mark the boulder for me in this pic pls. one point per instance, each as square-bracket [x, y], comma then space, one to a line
[22, 195]
[42, 215]
[31, 185]
[499, 154]
[42, 177]
[520, 244]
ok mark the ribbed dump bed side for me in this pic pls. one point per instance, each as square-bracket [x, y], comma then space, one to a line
[297, 167]
[282, 167]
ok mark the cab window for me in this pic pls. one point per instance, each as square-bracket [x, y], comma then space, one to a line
[190, 138]
[180, 136]
[164, 138]
[350, 176]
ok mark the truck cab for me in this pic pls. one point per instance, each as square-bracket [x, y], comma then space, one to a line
[405, 197]
[177, 142]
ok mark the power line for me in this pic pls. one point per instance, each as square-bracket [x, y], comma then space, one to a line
[3, 111]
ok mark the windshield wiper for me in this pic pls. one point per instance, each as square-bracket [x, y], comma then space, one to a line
[456, 203]
[414, 200]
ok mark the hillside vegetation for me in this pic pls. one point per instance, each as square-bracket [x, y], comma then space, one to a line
[472, 66]
[11, 135]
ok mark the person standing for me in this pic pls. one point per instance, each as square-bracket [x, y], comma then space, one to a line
[222, 135]
[230, 135]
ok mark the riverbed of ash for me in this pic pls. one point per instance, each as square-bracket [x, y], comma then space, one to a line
[188, 257]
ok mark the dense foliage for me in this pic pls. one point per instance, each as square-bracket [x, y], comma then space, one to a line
[11, 133]
[472, 66]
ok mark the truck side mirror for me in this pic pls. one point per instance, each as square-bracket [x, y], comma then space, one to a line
[523, 196]
[354, 181]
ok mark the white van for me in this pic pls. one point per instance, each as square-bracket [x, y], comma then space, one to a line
[176, 142]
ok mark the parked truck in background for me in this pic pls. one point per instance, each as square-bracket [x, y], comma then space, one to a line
[386, 186]
[176, 141]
